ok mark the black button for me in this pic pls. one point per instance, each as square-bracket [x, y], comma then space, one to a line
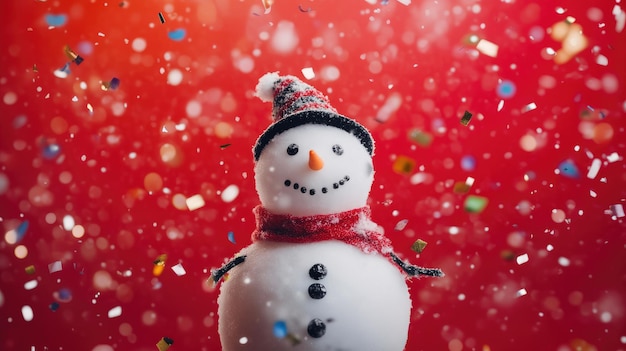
[316, 328]
[318, 271]
[287, 182]
[317, 291]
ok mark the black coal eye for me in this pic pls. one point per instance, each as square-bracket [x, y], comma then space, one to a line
[337, 149]
[292, 149]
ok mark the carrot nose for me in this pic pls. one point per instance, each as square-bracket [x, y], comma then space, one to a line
[315, 161]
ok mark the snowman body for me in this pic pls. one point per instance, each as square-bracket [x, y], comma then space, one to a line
[326, 293]
[360, 299]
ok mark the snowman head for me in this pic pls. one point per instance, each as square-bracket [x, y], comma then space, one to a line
[311, 160]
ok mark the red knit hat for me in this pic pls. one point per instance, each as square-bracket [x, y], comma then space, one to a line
[296, 103]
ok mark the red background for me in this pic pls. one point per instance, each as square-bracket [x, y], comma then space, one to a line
[575, 274]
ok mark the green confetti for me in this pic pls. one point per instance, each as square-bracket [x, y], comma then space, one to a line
[475, 203]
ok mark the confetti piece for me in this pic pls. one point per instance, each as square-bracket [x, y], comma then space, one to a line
[403, 165]
[389, 108]
[223, 146]
[529, 107]
[420, 137]
[51, 151]
[115, 312]
[521, 259]
[461, 188]
[521, 292]
[506, 89]
[230, 193]
[594, 169]
[195, 202]
[159, 265]
[401, 224]
[179, 269]
[308, 73]
[466, 118]
[419, 245]
[30, 269]
[56, 20]
[231, 237]
[613, 157]
[177, 34]
[114, 84]
[21, 231]
[267, 5]
[487, 48]
[568, 169]
[500, 105]
[63, 72]
[54, 306]
[564, 261]
[55, 267]
[617, 210]
[302, 9]
[468, 163]
[30, 285]
[280, 329]
[164, 343]
[27, 313]
[161, 18]
[475, 203]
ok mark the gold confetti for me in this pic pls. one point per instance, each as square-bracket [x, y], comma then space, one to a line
[164, 343]
[466, 118]
[159, 265]
[419, 245]
[30, 269]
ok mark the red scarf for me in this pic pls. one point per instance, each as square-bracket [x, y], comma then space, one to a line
[353, 227]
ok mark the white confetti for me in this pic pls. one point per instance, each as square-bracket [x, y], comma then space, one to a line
[487, 48]
[593, 193]
[617, 210]
[564, 261]
[230, 193]
[521, 259]
[529, 107]
[179, 270]
[401, 224]
[521, 292]
[469, 181]
[614, 157]
[308, 73]
[195, 202]
[55, 267]
[602, 60]
[594, 169]
[68, 222]
[30, 285]
[500, 105]
[115, 312]
[27, 313]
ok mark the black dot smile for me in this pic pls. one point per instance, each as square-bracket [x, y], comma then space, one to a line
[312, 191]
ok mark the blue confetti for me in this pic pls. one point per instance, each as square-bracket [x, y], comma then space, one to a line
[280, 329]
[54, 306]
[21, 230]
[56, 20]
[65, 294]
[468, 163]
[506, 89]
[569, 169]
[231, 237]
[114, 84]
[51, 151]
[177, 34]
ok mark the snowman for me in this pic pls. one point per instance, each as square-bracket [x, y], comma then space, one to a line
[319, 274]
